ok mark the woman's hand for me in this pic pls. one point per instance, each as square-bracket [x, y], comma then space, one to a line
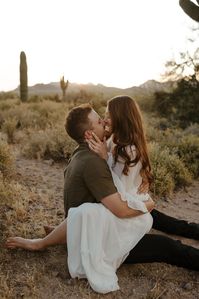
[98, 146]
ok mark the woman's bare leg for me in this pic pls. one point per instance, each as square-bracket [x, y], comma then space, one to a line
[57, 236]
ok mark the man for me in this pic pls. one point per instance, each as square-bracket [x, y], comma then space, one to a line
[88, 179]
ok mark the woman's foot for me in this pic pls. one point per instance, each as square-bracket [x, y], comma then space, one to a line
[28, 244]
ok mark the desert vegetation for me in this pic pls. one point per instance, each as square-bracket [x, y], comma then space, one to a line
[32, 135]
[37, 130]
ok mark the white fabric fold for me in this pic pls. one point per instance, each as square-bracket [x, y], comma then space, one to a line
[98, 241]
[133, 199]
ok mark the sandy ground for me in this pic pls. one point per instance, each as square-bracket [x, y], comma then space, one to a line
[45, 275]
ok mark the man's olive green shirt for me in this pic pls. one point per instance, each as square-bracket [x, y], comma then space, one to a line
[87, 178]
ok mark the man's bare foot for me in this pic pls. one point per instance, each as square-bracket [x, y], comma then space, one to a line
[48, 229]
[28, 244]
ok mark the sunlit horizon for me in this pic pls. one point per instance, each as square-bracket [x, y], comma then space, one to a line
[114, 43]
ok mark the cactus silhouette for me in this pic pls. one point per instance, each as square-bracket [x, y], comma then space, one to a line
[190, 8]
[64, 86]
[23, 78]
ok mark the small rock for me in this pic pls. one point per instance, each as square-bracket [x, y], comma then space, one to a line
[187, 286]
[69, 282]
[49, 162]
[55, 273]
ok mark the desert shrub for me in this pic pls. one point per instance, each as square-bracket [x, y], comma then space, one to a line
[97, 100]
[7, 104]
[1, 120]
[168, 170]
[49, 144]
[186, 147]
[193, 129]
[7, 95]
[188, 151]
[24, 117]
[53, 98]
[145, 102]
[99, 105]
[35, 99]
[14, 208]
[36, 115]
[153, 134]
[183, 143]
[9, 127]
[6, 161]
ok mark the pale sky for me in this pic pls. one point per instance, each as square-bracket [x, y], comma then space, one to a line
[119, 43]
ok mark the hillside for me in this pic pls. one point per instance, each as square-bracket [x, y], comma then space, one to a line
[146, 89]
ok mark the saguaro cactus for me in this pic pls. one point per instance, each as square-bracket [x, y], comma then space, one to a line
[190, 8]
[23, 78]
[64, 86]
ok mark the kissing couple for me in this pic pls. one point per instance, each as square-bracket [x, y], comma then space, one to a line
[109, 211]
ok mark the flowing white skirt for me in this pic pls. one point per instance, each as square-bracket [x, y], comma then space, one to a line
[98, 242]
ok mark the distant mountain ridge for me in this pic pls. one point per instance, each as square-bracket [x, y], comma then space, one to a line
[146, 89]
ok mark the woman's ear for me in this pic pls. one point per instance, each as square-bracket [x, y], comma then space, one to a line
[88, 134]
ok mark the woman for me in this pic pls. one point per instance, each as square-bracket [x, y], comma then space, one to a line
[97, 258]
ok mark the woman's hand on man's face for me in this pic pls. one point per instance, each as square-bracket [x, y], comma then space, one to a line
[98, 146]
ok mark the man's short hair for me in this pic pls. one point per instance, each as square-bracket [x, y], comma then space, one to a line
[77, 122]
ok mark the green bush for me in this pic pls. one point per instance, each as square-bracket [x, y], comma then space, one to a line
[36, 115]
[9, 127]
[188, 151]
[49, 144]
[7, 104]
[186, 147]
[168, 170]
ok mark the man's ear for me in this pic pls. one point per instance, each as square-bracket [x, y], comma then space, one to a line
[88, 134]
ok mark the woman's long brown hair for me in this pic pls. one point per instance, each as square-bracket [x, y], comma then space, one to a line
[127, 129]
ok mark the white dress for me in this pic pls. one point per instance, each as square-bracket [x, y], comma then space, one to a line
[98, 241]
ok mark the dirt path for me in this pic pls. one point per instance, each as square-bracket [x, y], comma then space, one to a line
[45, 275]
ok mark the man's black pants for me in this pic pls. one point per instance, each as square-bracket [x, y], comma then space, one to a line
[159, 248]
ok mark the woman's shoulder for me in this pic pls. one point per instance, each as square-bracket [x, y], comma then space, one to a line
[109, 143]
[130, 149]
